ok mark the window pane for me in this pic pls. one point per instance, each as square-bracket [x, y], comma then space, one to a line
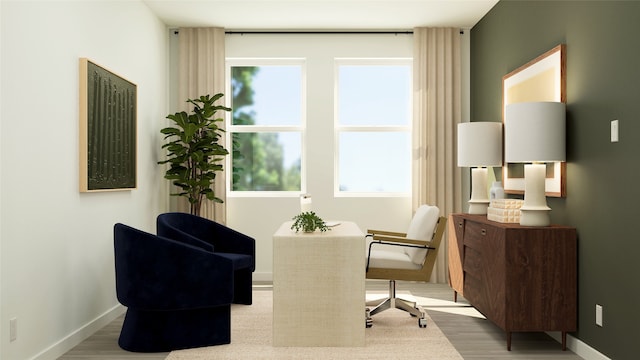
[266, 95]
[266, 161]
[374, 95]
[375, 162]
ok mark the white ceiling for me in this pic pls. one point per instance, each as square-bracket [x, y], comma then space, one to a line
[320, 15]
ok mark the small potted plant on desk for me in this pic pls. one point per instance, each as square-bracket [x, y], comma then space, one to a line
[308, 222]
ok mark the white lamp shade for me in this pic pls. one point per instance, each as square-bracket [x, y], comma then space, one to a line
[480, 144]
[535, 132]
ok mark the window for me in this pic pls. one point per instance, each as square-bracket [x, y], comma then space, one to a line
[373, 126]
[266, 125]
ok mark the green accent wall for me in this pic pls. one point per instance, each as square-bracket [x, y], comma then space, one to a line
[603, 178]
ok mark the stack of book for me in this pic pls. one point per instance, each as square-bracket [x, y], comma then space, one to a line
[504, 210]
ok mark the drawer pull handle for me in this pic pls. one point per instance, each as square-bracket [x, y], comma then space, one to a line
[483, 232]
[460, 224]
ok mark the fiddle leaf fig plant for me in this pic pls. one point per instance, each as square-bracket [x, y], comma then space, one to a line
[308, 222]
[194, 152]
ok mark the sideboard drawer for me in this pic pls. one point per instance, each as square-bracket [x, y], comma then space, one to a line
[472, 262]
[474, 233]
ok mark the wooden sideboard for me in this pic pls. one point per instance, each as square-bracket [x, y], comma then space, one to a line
[521, 278]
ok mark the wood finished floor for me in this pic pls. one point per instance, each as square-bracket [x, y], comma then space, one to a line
[474, 338]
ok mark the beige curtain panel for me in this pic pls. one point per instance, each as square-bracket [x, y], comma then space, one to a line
[201, 71]
[437, 111]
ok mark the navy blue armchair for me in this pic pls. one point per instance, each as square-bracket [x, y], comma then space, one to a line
[178, 295]
[226, 242]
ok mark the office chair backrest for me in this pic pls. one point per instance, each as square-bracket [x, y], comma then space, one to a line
[422, 227]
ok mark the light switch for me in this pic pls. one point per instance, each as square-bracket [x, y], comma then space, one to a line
[614, 131]
[599, 315]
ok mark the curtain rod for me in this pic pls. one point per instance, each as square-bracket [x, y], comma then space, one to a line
[321, 32]
[271, 32]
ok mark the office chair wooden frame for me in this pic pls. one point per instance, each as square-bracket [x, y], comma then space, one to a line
[422, 274]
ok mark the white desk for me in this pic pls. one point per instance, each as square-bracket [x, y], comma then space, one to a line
[319, 287]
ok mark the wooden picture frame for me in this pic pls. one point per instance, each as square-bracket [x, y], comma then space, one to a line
[108, 130]
[541, 79]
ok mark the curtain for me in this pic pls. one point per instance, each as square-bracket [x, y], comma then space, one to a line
[437, 111]
[201, 71]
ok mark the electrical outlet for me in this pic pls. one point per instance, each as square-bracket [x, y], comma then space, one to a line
[599, 315]
[614, 131]
[13, 329]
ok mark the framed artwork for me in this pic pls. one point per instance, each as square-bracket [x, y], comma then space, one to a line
[108, 128]
[541, 79]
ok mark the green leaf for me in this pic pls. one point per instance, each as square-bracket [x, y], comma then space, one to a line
[194, 153]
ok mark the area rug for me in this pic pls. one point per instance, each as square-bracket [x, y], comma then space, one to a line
[394, 335]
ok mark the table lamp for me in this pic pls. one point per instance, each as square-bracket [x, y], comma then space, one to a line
[534, 133]
[479, 146]
[305, 203]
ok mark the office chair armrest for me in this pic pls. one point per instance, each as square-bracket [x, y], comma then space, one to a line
[385, 232]
[401, 240]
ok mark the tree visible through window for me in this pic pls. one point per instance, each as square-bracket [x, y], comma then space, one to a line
[373, 126]
[266, 127]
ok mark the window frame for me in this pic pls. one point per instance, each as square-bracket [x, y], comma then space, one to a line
[338, 128]
[301, 128]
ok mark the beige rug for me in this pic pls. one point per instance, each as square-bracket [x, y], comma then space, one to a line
[394, 335]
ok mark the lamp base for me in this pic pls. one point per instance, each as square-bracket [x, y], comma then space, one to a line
[479, 201]
[478, 207]
[534, 211]
[535, 216]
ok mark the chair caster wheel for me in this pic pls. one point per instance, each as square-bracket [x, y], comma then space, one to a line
[422, 323]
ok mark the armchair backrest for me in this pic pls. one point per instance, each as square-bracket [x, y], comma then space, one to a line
[422, 227]
[185, 227]
[194, 229]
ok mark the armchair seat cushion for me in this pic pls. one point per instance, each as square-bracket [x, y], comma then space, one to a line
[389, 259]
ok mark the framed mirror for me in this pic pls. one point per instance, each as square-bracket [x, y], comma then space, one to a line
[541, 79]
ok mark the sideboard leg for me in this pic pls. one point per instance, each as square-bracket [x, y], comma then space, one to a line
[564, 341]
[509, 340]
[455, 296]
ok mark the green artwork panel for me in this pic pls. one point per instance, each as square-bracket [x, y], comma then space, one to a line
[111, 130]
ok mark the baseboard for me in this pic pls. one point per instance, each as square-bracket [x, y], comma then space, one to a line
[579, 347]
[263, 276]
[70, 341]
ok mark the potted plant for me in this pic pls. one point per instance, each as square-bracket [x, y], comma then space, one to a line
[194, 151]
[308, 222]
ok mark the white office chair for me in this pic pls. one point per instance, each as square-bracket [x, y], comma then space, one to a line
[414, 262]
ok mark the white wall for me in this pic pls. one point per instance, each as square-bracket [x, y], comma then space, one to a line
[56, 244]
[260, 217]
